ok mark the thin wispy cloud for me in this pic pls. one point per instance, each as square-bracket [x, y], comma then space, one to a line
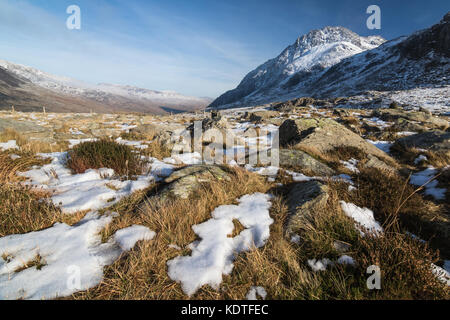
[195, 47]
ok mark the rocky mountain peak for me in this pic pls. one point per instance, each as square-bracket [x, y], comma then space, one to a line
[329, 35]
[335, 61]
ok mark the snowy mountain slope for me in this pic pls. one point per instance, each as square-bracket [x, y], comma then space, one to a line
[309, 55]
[117, 96]
[421, 60]
[324, 68]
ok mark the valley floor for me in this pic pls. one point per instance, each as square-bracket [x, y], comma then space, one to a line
[96, 206]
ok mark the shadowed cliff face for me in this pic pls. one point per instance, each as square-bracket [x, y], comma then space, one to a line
[436, 39]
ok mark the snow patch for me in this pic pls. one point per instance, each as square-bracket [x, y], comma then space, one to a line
[254, 291]
[363, 217]
[66, 252]
[127, 238]
[92, 190]
[422, 177]
[213, 256]
[11, 144]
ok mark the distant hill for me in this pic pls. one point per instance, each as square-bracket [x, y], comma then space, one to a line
[29, 89]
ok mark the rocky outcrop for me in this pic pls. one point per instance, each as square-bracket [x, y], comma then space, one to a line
[400, 116]
[374, 162]
[293, 159]
[182, 183]
[304, 200]
[436, 141]
[299, 103]
[259, 116]
[435, 40]
[319, 136]
[26, 129]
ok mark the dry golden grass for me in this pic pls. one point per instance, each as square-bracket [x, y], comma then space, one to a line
[142, 274]
[21, 211]
[280, 266]
[157, 150]
[400, 206]
[407, 156]
[405, 263]
[22, 208]
[10, 167]
[32, 145]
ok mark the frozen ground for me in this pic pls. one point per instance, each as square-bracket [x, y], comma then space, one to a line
[45, 264]
[70, 258]
[213, 255]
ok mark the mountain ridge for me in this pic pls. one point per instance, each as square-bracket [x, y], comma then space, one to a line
[338, 69]
[36, 86]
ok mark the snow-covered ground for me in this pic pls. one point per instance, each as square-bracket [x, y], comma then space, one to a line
[214, 254]
[425, 177]
[93, 190]
[434, 99]
[71, 258]
[363, 217]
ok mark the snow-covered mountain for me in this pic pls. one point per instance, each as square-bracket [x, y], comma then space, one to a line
[309, 54]
[117, 96]
[335, 61]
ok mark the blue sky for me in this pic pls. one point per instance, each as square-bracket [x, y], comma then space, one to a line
[195, 47]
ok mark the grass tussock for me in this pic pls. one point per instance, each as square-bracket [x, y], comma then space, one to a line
[9, 167]
[158, 150]
[400, 206]
[405, 263]
[24, 210]
[105, 154]
[407, 156]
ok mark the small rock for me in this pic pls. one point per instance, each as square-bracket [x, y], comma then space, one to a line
[305, 199]
[341, 246]
[182, 183]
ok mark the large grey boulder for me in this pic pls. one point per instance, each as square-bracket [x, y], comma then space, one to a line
[26, 129]
[304, 200]
[402, 125]
[436, 141]
[374, 162]
[322, 135]
[425, 118]
[291, 159]
[259, 116]
[150, 129]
